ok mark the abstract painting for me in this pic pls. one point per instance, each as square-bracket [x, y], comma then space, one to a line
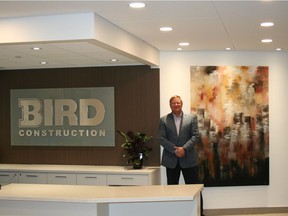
[232, 107]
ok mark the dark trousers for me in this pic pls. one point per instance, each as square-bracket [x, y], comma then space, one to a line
[190, 176]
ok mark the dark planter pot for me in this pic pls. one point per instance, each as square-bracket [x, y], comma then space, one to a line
[138, 161]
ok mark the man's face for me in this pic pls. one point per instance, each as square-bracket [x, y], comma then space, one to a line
[176, 105]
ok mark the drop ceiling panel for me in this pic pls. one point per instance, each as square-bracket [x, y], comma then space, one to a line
[59, 55]
[207, 25]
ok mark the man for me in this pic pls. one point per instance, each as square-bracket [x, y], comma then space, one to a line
[178, 135]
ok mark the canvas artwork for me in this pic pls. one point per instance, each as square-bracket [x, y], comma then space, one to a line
[232, 106]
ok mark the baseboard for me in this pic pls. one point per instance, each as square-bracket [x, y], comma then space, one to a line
[240, 211]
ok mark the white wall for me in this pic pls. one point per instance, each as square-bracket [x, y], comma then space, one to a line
[175, 79]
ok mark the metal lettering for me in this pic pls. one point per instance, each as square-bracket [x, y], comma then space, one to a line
[65, 108]
[31, 112]
[35, 113]
[87, 108]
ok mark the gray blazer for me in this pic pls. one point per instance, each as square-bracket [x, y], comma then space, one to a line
[188, 138]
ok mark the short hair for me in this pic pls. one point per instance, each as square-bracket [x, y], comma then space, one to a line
[175, 96]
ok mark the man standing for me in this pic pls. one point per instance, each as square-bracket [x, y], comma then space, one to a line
[178, 135]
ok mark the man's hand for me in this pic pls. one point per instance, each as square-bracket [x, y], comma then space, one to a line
[180, 152]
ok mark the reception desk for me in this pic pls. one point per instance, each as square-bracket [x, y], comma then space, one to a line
[78, 175]
[79, 200]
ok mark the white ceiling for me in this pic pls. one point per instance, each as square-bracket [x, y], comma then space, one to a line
[206, 25]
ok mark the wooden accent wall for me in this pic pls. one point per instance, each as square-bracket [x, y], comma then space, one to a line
[137, 108]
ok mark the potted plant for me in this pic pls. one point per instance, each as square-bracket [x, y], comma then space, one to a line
[135, 147]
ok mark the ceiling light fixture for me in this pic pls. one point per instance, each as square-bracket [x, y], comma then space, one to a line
[266, 40]
[137, 5]
[36, 48]
[227, 48]
[184, 44]
[267, 24]
[165, 29]
[179, 48]
[43, 62]
[113, 60]
[279, 49]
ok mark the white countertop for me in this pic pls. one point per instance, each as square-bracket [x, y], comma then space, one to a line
[99, 194]
[74, 168]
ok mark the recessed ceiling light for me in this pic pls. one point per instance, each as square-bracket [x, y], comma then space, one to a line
[184, 44]
[43, 62]
[36, 48]
[166, 29]
[267, 24]
[137, 5]
[113, 60]
[266, 40]
[279, 49]
[227, 48]
[179, 48]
